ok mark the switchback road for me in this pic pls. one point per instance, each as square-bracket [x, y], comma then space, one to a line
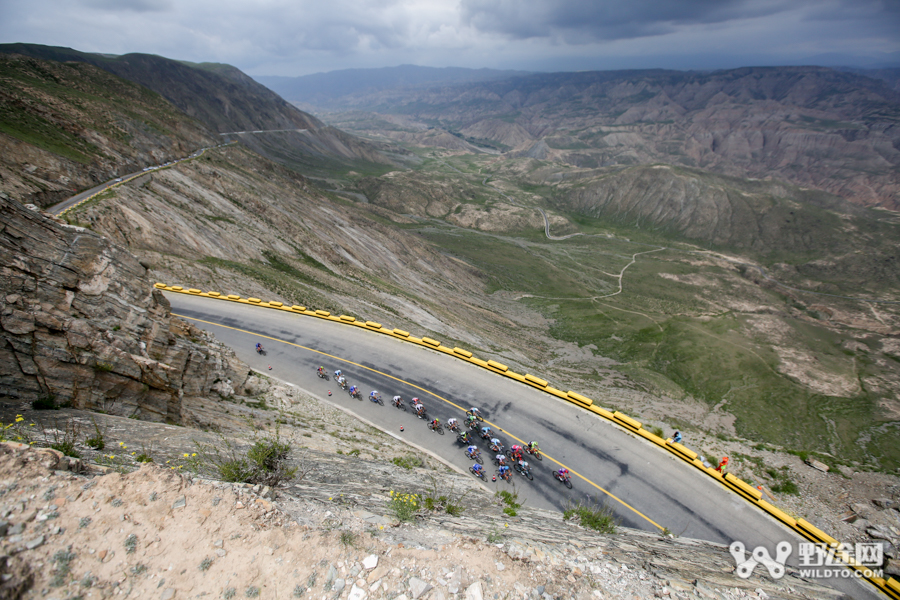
[646, 486]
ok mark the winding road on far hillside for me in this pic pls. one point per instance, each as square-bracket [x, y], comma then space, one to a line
[70, 203]
[647, 487]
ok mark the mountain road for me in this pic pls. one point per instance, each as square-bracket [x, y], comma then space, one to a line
[645, 486]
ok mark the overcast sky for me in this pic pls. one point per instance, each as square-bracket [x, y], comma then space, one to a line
[298, 37]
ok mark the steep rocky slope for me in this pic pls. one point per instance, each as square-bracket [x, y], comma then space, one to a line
[66, 127]
[332, 531]
[234, 221]
[226, 100]
[82, 326]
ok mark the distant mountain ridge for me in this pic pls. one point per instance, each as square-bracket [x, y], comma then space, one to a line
[813, 126]
[320, 88]
[225, 100]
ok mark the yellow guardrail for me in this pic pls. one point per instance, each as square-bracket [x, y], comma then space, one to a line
[891, 586]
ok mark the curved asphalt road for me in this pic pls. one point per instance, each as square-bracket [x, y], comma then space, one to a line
[58, 209]
[653, 488]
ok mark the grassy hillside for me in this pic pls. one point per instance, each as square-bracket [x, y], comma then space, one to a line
[226, 100]
[670, 289]
[81, 125]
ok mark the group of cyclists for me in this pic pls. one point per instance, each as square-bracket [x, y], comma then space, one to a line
[514, 457]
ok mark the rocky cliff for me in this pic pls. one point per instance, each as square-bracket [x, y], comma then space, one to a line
[82, 326]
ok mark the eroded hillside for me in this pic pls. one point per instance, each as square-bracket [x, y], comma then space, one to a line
[837, 132]
[67, 127]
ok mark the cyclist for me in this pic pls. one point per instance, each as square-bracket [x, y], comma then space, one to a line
[321, 370]
[374, 396]
[470, 420]
[354, 390]
[563, 473]
[475, 412]
[496, 446]
[472, 451]
[397, 400]
[451, 424]
[418, 406]
[259, 347]
[504, 471]
[516, 452]
[478, 469]
[533, 446]
[501, 459]
[485, 433]
[337, 375]
[434, 423]
[523, 466]
[342, 381]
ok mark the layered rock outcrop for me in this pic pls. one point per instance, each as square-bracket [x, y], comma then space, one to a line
[80, 324]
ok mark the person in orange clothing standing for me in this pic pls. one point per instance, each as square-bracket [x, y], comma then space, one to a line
[722, 465]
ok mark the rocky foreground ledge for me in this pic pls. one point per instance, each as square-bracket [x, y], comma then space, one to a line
[72, 530]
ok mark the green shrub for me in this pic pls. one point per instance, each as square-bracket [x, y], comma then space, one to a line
[267, 454]
[786, 487]
[510, 499]
[264, 463]
[408, 462]
[404, 506]
[67, 447]
[97, 442]
[594, 515]
[235, 471]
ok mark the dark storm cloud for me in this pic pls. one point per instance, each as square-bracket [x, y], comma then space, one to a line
[584, 21]
[295, 37]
